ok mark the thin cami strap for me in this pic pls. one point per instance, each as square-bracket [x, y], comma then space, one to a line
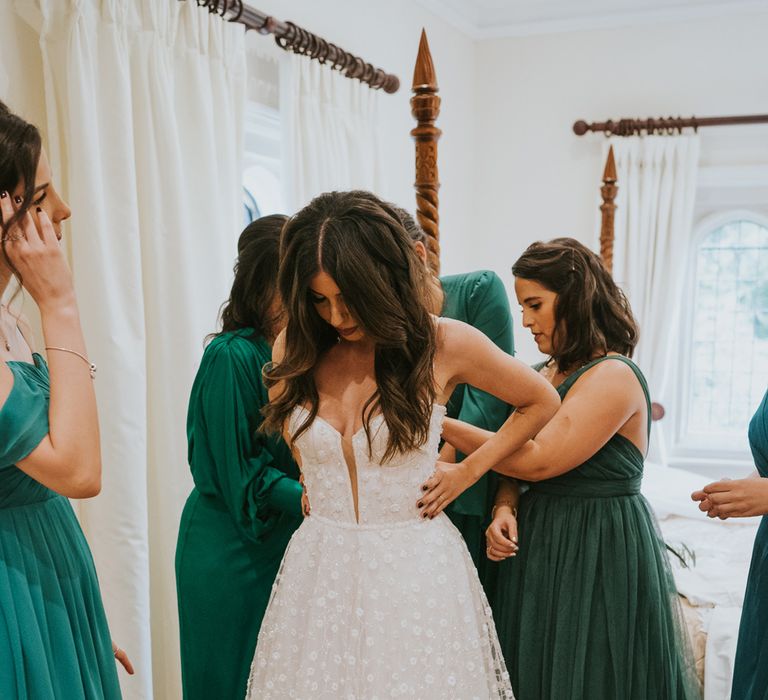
[571, 380]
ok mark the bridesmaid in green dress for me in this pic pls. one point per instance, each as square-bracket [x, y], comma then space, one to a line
[54, 639]
[588, 609]
[748, 498]
[480, 300]
[246, 502]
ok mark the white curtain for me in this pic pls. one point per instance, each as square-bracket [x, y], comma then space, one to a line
[654, 222]
[144, 102]
[330, 131]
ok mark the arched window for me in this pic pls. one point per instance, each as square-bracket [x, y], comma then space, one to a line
[727, 331]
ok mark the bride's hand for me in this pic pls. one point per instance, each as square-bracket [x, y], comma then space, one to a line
[444, 486]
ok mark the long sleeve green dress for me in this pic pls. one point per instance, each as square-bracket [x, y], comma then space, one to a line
[479, 299]
[54, 639]
[237, 521]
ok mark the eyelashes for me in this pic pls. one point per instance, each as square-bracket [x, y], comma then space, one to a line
[40, 199]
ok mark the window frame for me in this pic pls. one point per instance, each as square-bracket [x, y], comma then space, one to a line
[690, 450]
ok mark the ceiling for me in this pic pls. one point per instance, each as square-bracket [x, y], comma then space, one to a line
[483, 19]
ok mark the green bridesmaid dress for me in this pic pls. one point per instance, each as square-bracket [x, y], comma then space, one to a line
[479, 299]
[54, 639]
[750, 672]
[237, 521]
[588, 609]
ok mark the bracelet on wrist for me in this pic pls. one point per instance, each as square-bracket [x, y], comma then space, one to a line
[91, 366]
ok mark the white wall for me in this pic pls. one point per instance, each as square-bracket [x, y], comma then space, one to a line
[534, 179]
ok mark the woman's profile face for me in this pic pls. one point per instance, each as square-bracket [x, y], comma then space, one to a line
[538, 305]
[329, 304]
[46, 197]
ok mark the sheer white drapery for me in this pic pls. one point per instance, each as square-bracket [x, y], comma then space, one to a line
[654, 224]
[144, 103]
[330, 131]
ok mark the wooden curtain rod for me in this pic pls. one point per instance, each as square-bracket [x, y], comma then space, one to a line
[662, 125]
[293, 38]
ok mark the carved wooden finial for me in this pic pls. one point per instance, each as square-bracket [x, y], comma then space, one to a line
[424, 72]
[608, 192]
[425, 108]
[609, 174]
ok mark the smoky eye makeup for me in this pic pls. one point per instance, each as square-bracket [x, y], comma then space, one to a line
[316, 298]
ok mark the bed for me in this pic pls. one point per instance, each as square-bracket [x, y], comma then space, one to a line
[710, 574]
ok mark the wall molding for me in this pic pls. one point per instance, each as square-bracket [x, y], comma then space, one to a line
[468, 18]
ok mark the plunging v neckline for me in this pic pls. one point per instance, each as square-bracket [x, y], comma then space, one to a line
[339, 433]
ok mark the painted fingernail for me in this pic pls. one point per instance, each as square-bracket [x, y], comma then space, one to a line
[39, 210]
[425, 515]
[3, 194]
[424, 488]
[420, 504]
[17, 199]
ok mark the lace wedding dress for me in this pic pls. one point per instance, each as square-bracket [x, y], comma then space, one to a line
[389, 606]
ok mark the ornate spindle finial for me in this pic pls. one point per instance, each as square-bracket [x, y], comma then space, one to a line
[608, 192]
[425, 108]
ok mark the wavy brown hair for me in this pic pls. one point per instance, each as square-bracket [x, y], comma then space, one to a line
[255, 284]
[20, 147]
[592, 315]
[359, 241]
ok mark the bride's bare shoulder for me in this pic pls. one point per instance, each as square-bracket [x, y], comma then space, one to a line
[452, 334]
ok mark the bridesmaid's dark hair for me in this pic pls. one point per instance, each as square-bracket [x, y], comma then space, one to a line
[20, 146]
[255, 286]
[417, 234]
[592, 315]
[360, 242]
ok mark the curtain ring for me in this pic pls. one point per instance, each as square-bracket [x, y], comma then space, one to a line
[240, 8]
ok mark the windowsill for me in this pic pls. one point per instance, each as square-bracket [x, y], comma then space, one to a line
[715, 466]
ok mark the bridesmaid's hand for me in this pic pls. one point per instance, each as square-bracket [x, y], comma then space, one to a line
[501, 535]
[305, 509]
[734, 498]
[444, 486]
[38, 257]
[122, 657]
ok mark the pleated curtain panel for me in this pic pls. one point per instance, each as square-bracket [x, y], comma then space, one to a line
[330, 131]
[653, 231]
[144, 107]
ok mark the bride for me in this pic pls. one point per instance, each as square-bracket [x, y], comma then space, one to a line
[371, 601]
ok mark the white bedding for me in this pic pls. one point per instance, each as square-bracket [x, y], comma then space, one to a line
[714, 581]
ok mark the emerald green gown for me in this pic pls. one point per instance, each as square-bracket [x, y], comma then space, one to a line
[54, 639]
[479, 299]
[750, 672]
[588, 609]
[237, 521]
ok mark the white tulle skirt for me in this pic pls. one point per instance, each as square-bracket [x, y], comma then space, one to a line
[384, 611]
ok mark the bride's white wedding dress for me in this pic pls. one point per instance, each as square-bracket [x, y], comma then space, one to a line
[387, 607]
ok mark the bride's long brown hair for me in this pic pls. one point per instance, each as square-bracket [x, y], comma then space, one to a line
[359, 241]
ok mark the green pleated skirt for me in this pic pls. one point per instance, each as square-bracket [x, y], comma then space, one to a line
[54, 639]
[588, 608]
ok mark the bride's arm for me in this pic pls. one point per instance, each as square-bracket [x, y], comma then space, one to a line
[466, 356]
